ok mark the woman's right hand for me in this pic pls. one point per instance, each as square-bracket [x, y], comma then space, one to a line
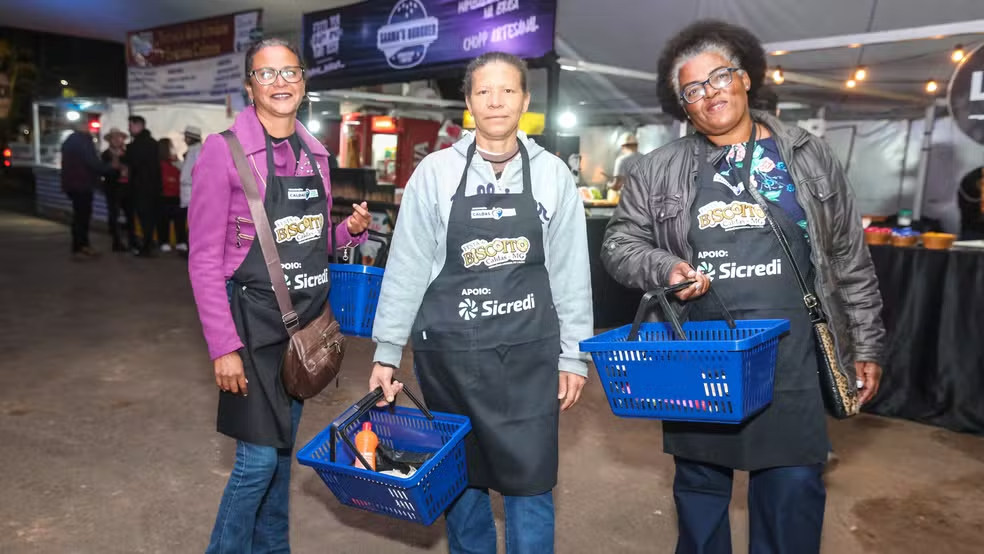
[685, 272]
[382, 376]
[229, 374]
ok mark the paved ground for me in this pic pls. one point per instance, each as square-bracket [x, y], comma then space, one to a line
[107, 441]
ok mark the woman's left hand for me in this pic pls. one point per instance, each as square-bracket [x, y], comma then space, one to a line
[360, 219]
[869, 373]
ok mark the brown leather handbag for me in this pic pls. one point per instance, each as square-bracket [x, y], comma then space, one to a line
[314, 353]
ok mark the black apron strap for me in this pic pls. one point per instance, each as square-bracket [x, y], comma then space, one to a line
[527, 171]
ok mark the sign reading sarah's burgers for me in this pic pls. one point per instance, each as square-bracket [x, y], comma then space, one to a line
[966, 95]
[373, 40]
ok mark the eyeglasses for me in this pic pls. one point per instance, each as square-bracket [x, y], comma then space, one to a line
[719, 79]
[268, 75]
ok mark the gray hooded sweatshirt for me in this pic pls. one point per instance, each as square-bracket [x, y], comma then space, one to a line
[419, 243]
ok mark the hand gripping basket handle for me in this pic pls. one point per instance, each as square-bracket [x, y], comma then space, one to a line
[360, 409]
[660, 294]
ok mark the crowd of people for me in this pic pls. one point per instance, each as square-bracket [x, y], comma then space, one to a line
[146, 185]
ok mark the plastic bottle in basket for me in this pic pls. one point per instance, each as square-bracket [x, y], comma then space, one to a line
[366, 442]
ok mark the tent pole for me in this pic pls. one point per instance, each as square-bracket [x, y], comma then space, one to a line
[927, 32]
[905, 160]
[36, 132]
[553, 101]
[927, 146]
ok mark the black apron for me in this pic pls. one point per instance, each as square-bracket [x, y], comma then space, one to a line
[734, 244]
[487, 339]
[297, 210]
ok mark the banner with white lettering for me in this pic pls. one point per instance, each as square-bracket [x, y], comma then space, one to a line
[387, 36]
[966, 95]
[198, 61]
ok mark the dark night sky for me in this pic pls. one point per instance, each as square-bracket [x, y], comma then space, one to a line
[92, 67]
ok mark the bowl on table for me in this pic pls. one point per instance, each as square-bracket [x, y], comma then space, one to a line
[877, 235]
[938, 241]
[904, 237]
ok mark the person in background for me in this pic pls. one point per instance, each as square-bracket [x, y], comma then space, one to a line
[242, 324]
[971, 203]
[81, 173]
[489, 275]
[144, 160]
[171, 211]
[627, 157]
[687, 213]
[193, 139]
[119, 199]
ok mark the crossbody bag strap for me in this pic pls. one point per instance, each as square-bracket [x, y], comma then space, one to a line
[263, 232]
[809, 299]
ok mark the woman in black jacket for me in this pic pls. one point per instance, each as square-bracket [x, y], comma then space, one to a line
[696, 210]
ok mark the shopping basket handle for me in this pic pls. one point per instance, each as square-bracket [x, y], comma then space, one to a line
[356, 412]
[661, 296]
[384, 240]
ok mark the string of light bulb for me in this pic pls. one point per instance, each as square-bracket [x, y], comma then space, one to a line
[861, 73]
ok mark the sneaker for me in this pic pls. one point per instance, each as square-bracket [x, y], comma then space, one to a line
[90, 252]
[182, 247]
[165, 248]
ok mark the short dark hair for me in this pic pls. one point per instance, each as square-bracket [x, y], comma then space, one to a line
[711, 35]
[266, 43]
[137, 119]
[164, 146]
[491, 57]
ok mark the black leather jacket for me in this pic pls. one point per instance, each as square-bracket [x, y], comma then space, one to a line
[647, 236]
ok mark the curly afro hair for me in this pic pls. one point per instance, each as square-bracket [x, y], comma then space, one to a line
[703, 35]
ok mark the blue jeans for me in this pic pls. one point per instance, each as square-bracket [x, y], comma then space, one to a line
[785, 509]
[253, 515]
[529, 524]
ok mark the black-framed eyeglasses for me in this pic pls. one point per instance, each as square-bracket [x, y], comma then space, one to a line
[268, 75]
[719, 79]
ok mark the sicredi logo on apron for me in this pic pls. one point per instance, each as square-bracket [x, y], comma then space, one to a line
[730, 216]
[304, 281]
[300, 229]
[468, 309]
[731, 270]
[495, 253]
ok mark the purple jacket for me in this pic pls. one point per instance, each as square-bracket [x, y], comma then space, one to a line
[218, 201]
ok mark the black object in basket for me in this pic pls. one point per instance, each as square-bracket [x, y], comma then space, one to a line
[420, 498]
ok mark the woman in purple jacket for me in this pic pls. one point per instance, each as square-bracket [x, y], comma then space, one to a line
[243, 326]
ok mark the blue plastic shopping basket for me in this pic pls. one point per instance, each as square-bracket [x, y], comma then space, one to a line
[421, 498]
[719, 372]
[355, 291]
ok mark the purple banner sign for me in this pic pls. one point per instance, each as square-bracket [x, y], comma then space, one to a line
[390, 36]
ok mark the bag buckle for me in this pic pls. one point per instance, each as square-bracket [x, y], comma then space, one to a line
[330, 346]
[290, 320]
[810, 301]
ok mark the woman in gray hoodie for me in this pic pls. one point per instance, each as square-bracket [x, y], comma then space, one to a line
[488, 274]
